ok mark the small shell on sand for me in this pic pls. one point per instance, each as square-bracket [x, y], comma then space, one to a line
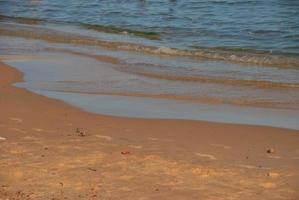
[208, 156]
[105, 137]
[135, 146]
[273, 174]
[2, 138]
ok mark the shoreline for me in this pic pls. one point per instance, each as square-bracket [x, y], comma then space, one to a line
[126, 77]
[255, 57]
[176, 158]
[127, 95]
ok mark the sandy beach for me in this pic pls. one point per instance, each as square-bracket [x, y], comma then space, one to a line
[149, 100]
[50, 150]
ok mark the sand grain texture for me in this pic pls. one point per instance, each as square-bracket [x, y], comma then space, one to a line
[43, 154]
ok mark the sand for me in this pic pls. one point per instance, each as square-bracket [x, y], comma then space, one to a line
[51, 150]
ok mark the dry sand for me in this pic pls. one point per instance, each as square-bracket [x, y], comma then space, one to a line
[50, 150]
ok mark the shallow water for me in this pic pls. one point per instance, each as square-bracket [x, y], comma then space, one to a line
[64, 69]
[152, 108]
[99, 87]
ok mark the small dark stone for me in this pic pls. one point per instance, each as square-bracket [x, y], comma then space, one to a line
[125, 152]
[270, 150]
[4, 185]
[82, 134]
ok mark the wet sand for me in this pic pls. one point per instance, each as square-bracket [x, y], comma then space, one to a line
[50, 150]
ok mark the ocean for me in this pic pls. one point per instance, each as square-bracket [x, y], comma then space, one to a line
[238, 53]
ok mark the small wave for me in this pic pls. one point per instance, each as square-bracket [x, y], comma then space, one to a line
[294, 37]
[179, 74]
[226, 2]
[205, 79]
[266, 32]
[117, 30]
[22, 20]
[230, 55]
[101, 28]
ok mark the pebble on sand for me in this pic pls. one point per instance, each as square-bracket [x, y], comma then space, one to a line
[80, 133]
[271, 150]
[125, 152]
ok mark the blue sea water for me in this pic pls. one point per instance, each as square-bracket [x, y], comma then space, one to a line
[270, 26]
